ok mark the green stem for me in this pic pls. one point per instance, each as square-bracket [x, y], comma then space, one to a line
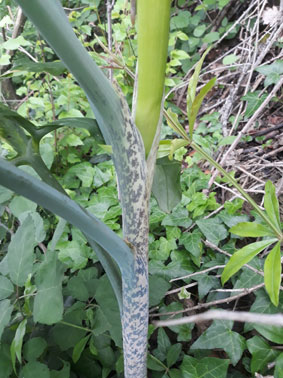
[76, 326]
[239, 188]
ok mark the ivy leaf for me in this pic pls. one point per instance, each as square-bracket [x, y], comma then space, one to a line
[206, 282]
[262, 305]
[84, 171]
[173, 354]
[242, 257]
[179, 217]
[193, 244]
[6, 287]
[20, 255]
[271, 204]
[207, 367]
[253, 102]
[5, 314]
[158, 286]
[251, 229]
[272, 274]
[271, 71]
[213, 229]
[261, 352]
[17, 343]
[220, 335]
[48, 302]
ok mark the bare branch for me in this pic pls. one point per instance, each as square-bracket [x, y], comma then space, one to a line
[237, 316]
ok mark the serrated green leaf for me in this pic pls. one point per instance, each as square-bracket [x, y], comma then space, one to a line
[207, 367]
[227, 140]
[20, 205]
[5, 361]
[79, 347]
[63, 373]
[65, 334]
[278, 372]
[55, 68]
[220, 335]
[271, 204]
[17, 343]
[6, 287]
[34, 348]
[166, 186]
[35, 369]
[105, 297]
[20, 255]
[230, 59]
[15, 43]
[48, 281]
[5, 194]
[272, 274]
[211, 37]
[5, 314]
[199, 30]
[182, 20]
[262, 353]
[251, 229]
[77, 288]
[242, 257]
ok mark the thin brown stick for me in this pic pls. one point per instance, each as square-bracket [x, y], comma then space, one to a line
[237, 316]
[248, 125]
[210, 304]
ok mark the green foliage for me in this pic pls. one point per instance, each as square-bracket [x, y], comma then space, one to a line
[58, 312]
[220, 335]
[272, 72]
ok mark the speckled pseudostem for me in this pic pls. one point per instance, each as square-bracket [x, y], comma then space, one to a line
[134, 198]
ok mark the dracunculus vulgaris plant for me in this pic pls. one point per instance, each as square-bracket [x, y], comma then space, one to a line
[134, 140]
